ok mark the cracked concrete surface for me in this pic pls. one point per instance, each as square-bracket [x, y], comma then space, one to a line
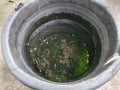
[9, 82]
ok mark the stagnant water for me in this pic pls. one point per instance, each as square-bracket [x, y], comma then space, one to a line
[59, 56]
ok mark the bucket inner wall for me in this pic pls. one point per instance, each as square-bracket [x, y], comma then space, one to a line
[70, 24]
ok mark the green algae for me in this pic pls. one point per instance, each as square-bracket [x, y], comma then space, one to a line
[59, 56]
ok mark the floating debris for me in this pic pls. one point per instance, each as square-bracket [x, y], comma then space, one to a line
[59, 56]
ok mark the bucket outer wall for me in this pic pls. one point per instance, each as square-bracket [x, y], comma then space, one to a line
[33, 82]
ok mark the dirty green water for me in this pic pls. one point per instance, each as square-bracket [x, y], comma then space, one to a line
[59, 56]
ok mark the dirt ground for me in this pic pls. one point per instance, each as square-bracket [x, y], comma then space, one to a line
[8, 82]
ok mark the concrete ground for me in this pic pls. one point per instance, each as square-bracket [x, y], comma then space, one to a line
[9, 82]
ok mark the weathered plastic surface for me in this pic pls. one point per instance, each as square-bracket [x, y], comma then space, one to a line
[19, 70]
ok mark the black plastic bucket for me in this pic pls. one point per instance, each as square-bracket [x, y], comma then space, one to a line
[91, 20]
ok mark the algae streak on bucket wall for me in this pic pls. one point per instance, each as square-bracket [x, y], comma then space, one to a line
[59, 56]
